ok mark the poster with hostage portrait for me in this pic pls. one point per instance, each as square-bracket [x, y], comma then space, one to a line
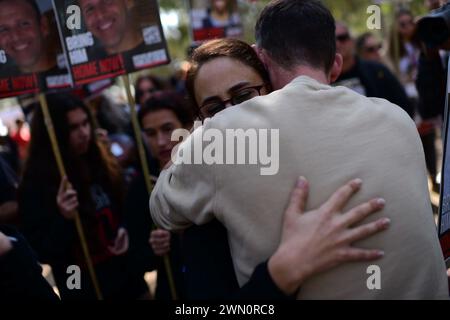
[211, 19]
[444, 208]
[31, 55]
[107, 38]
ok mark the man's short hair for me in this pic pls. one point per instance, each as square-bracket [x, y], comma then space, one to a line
[297, 32]
[33, 5]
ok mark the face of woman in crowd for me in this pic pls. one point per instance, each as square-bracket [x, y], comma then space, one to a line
[371, 49]
[147, 88]
[158, 127]
[406, 26]
[223, 82]
[345, 45]
[80, 134]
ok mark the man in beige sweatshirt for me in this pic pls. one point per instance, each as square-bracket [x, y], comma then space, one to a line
[327, 134]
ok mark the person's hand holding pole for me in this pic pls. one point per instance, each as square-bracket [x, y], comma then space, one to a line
[67, 199]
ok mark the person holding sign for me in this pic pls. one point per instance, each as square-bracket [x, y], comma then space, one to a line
[111, 22]
[23, 35]
[93, 186]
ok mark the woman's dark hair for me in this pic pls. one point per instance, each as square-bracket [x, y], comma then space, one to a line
[158, 83]
[395, 36]
[168, 100]
[96, 166]
[229, 48]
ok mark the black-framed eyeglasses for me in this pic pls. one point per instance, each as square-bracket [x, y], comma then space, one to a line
[212, 107]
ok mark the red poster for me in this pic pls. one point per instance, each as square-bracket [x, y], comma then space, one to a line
[211, 19]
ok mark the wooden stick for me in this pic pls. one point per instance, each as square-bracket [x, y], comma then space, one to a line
[146, 172]
[396, 41]
[137, 133]
[62, 172]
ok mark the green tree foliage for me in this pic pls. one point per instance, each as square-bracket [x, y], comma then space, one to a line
[353, 12]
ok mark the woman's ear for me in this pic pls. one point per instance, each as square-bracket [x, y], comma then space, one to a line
[336, 69]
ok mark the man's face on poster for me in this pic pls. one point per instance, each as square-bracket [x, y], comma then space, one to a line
[21, 33]
[107, 20]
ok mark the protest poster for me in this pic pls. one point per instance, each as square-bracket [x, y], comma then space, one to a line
[31, 56]
[108, 38]
[211, 19]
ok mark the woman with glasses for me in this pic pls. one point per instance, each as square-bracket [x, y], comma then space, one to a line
[368, 47]
[225, 73]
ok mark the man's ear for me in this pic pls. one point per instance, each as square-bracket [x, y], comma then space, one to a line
[262, 55]
[336, 69]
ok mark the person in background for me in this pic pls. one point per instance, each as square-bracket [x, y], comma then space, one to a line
[8, 194]
[432, 78]
[368, 78]
[368, 47]
[111, 115]
[221, 14]
[20, 273]
[404, 51]
[159, 116]
[433, 4]
[10, 152]
[431, 83]
[22, 138]
[93, 187]
[146, 86]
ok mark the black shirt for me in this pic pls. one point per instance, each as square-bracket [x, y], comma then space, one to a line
[20, 273]
[8, 183]
[372, 79]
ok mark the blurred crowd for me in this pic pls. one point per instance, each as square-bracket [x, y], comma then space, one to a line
[99, 149]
